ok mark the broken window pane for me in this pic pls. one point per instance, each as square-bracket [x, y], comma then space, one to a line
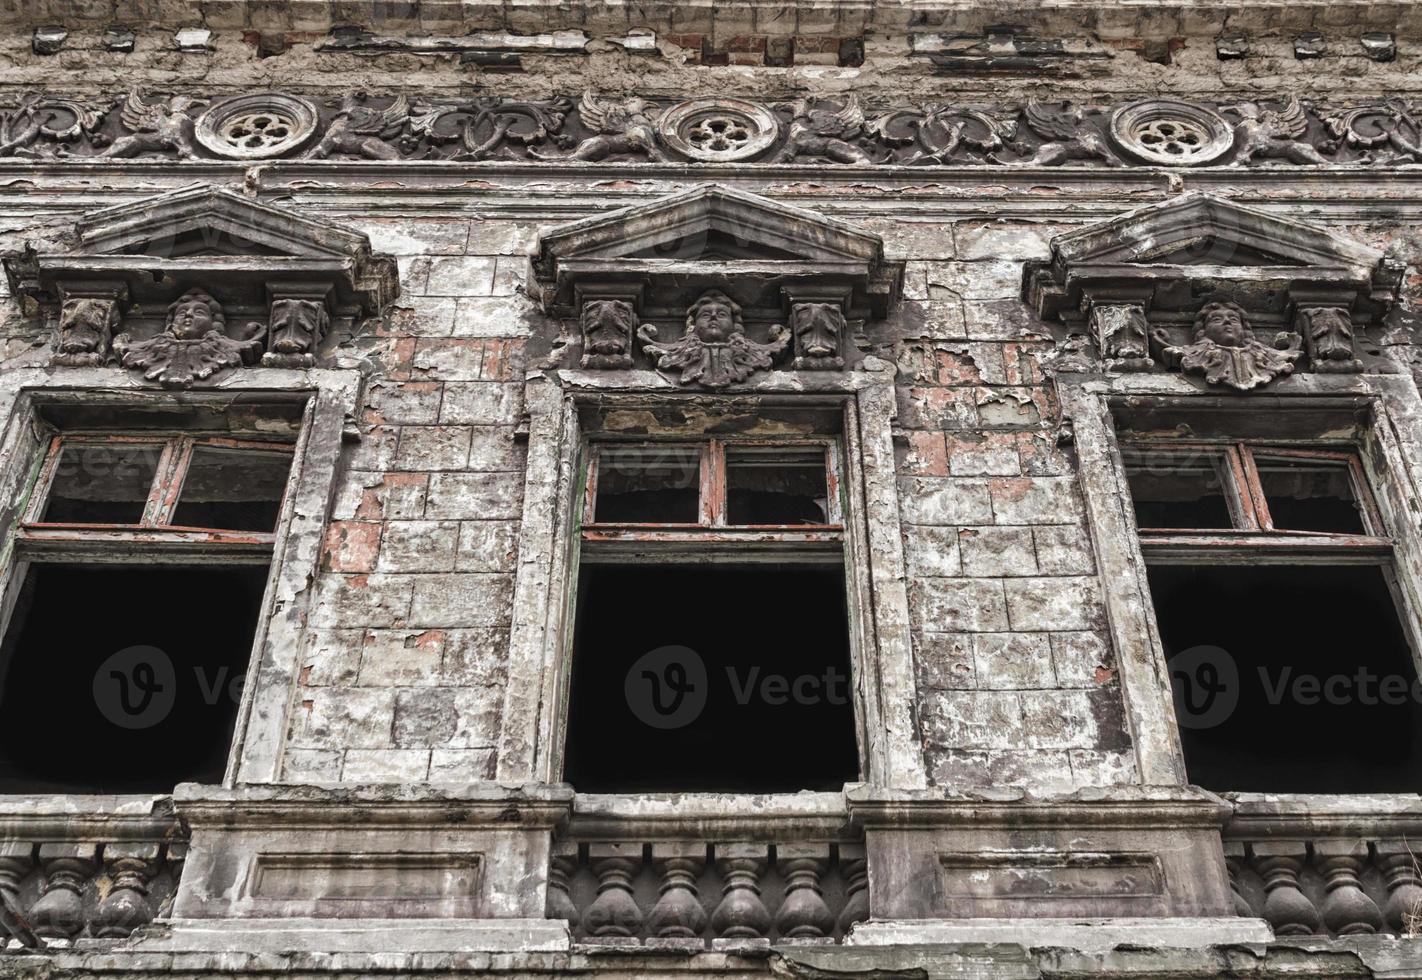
[102, 483]
[776, 485]
[648, 485]
[672, 692]
[233, 489]
[123, 679]
[1310, 494]
[1290, 679]
[1178, 488]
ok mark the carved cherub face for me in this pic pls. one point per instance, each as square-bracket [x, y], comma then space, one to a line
[714, 318]
[1223, 323]
[193, 314]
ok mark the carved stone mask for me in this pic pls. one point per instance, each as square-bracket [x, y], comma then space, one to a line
[193, 314]
[1223, 323]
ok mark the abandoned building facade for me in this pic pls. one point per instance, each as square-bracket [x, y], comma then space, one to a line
[710, 490]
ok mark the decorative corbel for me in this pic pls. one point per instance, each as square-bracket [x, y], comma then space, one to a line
[608, 318]
[298, 322]
[89, 317]
[818, 327]
[1121, 332]
[1328, 337]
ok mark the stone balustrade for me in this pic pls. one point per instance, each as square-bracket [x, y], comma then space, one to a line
[85, 867]
[788, 874]
[1339, 866]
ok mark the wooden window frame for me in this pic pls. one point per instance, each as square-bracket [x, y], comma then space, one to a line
[712, 527]
[1256, 538]
[154, 537]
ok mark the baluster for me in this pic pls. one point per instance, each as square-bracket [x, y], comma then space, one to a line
[1286, 907]
[126, 907]
[1234, 861]
[1347, 909]
[854, 869]
[561, 868]
[741, 914]
[1403, 912]
[614, 916]
[678, 913]
[803, 913]
[17, 860]
[59, 913]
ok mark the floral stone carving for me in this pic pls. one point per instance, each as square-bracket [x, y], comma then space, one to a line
[193, 346]
[714, 350]
[1171, 133]
[717, 130]
[258, 126]
[1224, 350]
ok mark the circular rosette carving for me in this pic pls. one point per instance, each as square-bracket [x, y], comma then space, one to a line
[1171, 133]
[718, 130]
[259, 126]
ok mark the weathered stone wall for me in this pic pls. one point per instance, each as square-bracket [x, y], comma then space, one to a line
[403, 670]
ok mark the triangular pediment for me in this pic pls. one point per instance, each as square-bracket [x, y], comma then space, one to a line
[708, 221]
[237, 249]
[204, 221]
[713, 235]
[1169, 254]
[1203, 230]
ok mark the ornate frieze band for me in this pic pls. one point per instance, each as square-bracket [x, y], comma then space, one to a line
[363, 125]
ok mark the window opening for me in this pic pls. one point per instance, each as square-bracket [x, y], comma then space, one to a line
[1272, 584]
[143, 561]
[711, 650]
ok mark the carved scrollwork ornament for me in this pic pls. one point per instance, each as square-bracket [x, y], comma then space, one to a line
[257, 126]
[718, 130]
[937, 131]
[38, 117]
[1171, 133]
[488, 129]
[1224, 350]
[714, 351]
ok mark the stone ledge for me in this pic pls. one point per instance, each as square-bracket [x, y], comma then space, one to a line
[1085, 935]
[353, 935]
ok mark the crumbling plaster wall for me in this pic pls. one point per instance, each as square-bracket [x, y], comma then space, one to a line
[404, 666]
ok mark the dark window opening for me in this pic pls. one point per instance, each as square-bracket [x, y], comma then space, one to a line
[103, 483]
[648, 485]
[1173, 489]
[1328, 696]
[711, 678]
[776, 485]
[233, 489]
[1310, 494]
[122, 679]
